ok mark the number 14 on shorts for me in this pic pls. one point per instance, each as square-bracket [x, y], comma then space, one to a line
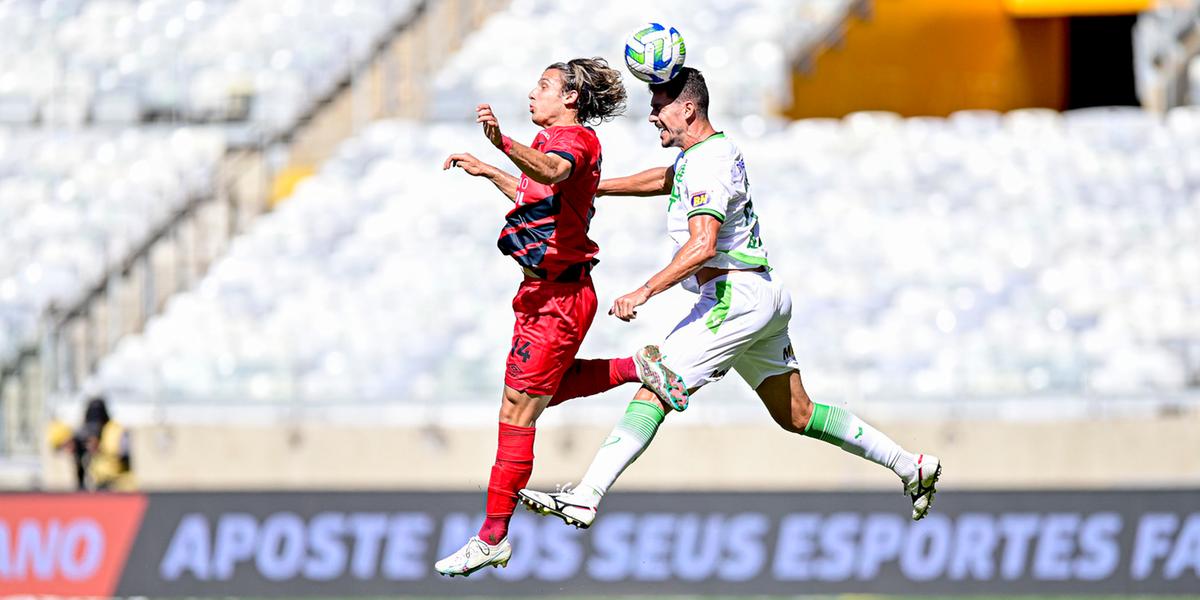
[520, 349]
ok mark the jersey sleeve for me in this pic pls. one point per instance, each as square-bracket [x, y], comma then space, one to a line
[571, 145]
[707, 192]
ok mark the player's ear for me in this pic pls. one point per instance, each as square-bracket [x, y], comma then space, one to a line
[571, 98]
[689, 110]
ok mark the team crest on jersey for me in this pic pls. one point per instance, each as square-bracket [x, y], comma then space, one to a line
[698, 199]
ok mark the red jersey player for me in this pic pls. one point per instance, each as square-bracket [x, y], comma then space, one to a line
[546, 234]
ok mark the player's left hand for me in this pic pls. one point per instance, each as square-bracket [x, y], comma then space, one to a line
[470, 164]
[624, 307]
[491, 125]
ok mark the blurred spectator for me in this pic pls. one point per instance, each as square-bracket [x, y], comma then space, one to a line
[66, 440]
[100, 449]
[107, 445]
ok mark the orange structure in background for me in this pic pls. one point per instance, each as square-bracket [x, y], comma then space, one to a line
[933, 57]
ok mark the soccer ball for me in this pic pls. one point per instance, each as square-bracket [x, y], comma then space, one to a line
[655, 53]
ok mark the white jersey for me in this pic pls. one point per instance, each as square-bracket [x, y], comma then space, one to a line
[710, 179]
[740, 320]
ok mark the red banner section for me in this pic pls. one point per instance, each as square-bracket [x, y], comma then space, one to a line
[66, 545]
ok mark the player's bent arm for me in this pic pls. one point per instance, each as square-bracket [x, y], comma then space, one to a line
[504, 181]
[651, 182]
[543, 168]
[699, 249]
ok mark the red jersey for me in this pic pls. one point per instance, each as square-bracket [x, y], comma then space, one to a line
[546, 230]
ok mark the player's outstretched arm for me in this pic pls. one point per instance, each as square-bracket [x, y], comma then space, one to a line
[700, 247]
[651, 182]
[505, 182]
[543, 168]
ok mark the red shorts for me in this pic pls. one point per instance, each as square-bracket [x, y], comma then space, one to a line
[552, 319]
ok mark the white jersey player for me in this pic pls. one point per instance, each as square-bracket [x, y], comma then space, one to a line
[740, 321]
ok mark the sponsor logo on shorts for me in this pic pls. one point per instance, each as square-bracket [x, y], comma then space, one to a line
[717, 374]
[698, 199]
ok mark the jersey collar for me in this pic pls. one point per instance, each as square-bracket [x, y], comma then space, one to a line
[719, 134]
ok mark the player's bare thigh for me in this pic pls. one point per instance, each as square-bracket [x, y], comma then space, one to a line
[521, 409]
[786, 400]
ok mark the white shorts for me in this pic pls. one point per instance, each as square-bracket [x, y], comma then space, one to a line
[740, 322]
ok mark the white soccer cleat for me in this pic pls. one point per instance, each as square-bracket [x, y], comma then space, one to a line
[473, 556]
[922, 487]
[573, 508]
[660, 379]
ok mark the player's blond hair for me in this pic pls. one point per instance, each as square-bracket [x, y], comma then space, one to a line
[601, 94]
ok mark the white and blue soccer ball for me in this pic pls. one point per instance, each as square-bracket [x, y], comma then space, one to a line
[655, 53]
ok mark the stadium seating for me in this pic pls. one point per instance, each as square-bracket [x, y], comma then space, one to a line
[979, 255]
[84, 176]
[119, 62]
[75, 202]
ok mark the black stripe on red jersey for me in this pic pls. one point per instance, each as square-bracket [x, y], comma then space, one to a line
[527, 246]
[566, 156]
[520, 233]
[521, 239]
[534, 211]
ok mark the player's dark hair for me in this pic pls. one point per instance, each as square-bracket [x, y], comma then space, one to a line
[601, 95]
[689, 85]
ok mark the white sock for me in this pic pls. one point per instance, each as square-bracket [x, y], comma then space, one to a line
[624, 445]
[844, 429]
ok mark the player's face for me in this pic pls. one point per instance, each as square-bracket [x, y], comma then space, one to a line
[670, 116]
[546, 103]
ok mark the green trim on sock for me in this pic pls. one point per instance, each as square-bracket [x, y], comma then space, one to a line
[828, 423]
[650, 409]
[816, 421]
[642, 419]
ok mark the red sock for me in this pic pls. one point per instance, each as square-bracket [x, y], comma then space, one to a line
[588, 377]
[514, 464]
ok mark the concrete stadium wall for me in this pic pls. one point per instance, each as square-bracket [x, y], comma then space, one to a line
[977, 454]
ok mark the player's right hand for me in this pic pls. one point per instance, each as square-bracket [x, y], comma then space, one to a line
[491, 125]
[466, 162]
[625, 307]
